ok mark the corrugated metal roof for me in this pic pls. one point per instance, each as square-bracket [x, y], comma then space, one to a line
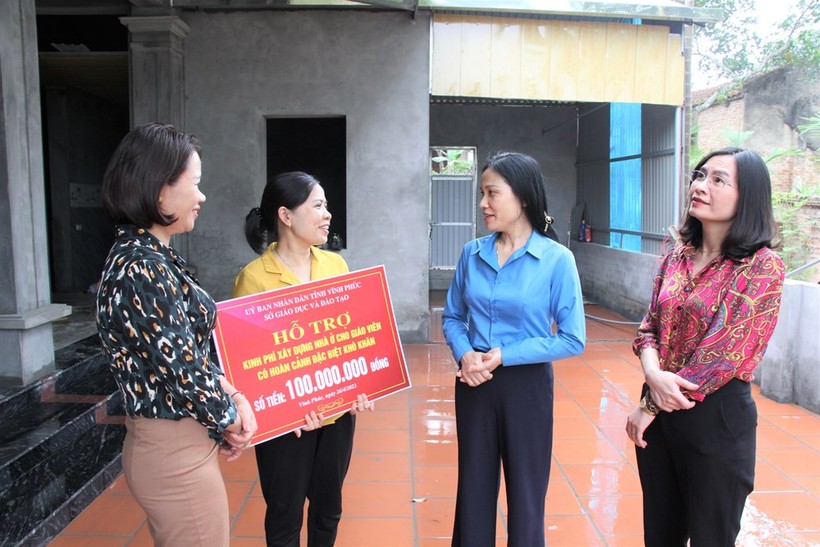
[648, 10]
[658, 10]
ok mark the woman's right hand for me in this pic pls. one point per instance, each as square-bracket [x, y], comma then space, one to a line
[664, 386]
[312, 421]
[474, 369]
[238, 435]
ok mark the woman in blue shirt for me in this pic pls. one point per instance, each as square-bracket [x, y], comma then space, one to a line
[509, 288]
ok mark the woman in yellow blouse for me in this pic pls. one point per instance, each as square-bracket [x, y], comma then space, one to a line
[311, 464]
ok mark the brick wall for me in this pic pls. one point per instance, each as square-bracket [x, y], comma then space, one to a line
[713, 122]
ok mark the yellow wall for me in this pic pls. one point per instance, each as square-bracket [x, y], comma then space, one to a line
[507, 58]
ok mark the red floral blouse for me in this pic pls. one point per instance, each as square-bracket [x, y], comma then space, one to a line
[715, 325]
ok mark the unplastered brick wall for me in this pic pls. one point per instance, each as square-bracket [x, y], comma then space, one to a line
[713, 122]
[794, 172]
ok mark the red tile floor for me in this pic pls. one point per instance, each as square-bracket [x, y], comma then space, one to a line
[402, 481]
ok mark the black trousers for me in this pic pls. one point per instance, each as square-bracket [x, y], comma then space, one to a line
[508, 421]
[312, 467]
[697, 470]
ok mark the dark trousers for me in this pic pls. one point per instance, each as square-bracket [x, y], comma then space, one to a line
[312, 467]
[508, 421]
[697, 470]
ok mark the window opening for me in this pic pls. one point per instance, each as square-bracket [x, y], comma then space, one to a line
[452, 204]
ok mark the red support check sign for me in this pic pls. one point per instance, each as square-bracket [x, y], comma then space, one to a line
[311, 347]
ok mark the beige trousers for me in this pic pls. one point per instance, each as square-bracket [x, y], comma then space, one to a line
[173, 472]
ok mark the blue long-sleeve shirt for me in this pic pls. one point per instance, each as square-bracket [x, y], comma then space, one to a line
[514, 307]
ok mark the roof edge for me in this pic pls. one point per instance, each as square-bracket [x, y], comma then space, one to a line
[575, 8]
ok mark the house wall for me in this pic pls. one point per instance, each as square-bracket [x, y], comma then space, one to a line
[244, 67]
[617, 279]
[547, 133]
[713, 122]
[788, 372]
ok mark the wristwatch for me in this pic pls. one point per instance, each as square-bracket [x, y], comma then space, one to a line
[648, 405]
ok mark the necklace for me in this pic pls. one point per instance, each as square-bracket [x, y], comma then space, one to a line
[287, 264]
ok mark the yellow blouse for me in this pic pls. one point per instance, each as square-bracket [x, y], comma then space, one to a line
[267, 272]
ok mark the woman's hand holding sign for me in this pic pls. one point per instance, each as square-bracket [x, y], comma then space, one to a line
[312, 421]
[362, 404]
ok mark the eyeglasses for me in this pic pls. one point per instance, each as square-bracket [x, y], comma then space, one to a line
[715, 180]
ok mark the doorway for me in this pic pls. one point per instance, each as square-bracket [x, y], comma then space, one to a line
[452, 209]
[83, 62]
[317, 146]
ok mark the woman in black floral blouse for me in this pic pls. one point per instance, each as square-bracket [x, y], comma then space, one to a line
[155, 322]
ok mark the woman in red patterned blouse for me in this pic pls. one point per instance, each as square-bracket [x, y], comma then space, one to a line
[714, 307]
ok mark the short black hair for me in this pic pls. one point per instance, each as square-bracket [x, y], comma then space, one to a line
[523, 174]
[147, 159]
[753, 226]
[289, 190]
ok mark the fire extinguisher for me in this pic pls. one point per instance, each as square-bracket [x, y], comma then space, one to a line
[588, 233]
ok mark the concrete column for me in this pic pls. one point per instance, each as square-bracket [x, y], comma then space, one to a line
[157, 63]
[26, 312]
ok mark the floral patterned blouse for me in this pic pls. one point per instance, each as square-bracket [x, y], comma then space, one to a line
[155, 323]
[713, 326]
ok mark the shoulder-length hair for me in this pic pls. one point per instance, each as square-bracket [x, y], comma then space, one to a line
[148, 158]
[289, 190]
[523, 174]
[753, 226]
